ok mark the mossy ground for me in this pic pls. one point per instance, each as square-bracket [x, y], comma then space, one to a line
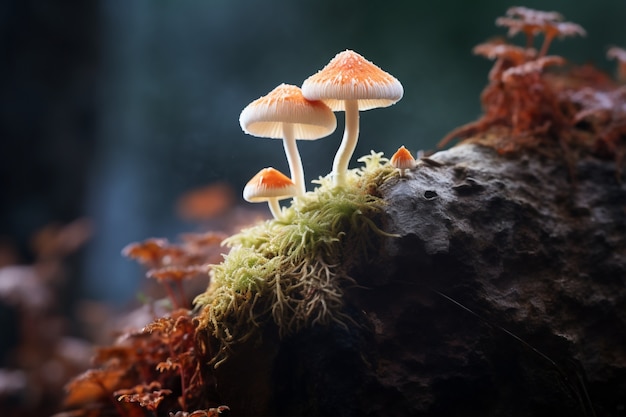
[292, 271]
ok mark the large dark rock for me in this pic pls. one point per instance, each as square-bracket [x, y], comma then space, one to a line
[505, 294]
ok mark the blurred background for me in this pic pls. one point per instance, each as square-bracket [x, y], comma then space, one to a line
[117, 112]
[113, 110]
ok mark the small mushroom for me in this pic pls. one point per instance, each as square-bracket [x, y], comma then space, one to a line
[285, 114]
[269, 185]
[351, 83]
[403, 161]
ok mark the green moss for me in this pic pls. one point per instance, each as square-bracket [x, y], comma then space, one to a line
[292, 271]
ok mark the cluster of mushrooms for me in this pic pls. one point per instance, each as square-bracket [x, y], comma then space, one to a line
[348, 83]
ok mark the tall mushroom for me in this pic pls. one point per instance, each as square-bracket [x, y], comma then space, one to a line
[285, 114]
[351, 83]
[269, 185]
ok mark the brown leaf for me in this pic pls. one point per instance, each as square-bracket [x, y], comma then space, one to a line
[177, 273]
[91, 386]
[153, 252]
[497, 49]
[148, 396]
[119, 353]
[59, 241]
[535, 66]
[168, 365]
[533, 15]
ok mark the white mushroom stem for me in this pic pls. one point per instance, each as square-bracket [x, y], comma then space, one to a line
[293, 158]
[348, 143]
[274, 207]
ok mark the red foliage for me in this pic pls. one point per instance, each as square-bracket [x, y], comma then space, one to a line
[171, 264]
[160, 367]
[154, 253]
[526, 106]
[148, 396]
[531, 22]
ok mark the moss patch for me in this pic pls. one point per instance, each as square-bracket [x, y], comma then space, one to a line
[292, 271]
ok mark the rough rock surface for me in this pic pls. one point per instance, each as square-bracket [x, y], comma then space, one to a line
[504, 295]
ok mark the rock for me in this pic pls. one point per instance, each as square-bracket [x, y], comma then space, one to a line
[504, 295]
[534, 265]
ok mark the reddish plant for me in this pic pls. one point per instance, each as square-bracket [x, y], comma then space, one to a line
[148, 396]
[531, 22]
[159, 364]
[158, 368]
[170, 264]
[526, 106]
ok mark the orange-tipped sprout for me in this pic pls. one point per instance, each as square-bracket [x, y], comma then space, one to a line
[403, 161]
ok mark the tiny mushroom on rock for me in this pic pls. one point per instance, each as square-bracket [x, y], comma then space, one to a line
[351, 83]
[269, 185]
[285, 114]
[403, 161]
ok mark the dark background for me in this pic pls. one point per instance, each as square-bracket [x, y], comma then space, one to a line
[113, 109]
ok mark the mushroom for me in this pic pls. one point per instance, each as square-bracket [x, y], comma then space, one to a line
[402, 160]
[269, 185]
[351, 83]
[285, 114]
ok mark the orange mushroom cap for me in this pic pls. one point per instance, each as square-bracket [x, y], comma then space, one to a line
[269, 183]
[349, 76]
[265, 116]
[402, 159]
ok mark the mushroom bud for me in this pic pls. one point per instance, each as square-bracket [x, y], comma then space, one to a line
[403, 161]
